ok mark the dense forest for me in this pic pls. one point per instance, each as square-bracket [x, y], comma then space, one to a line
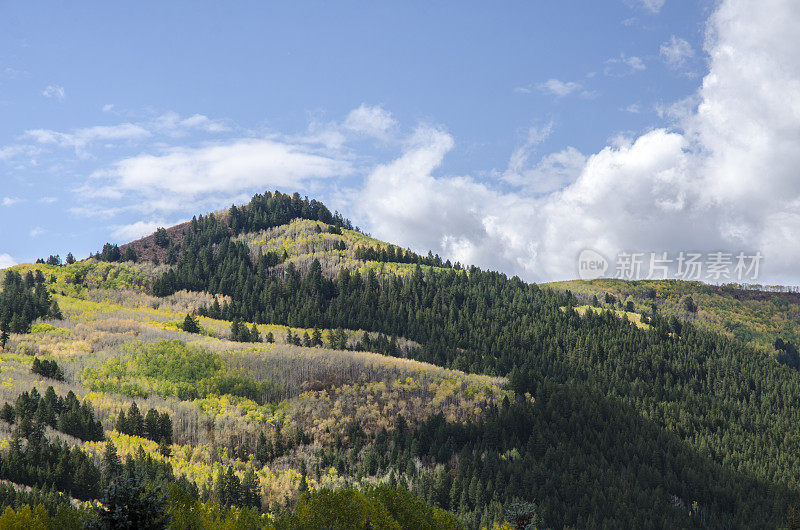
[605, 420]
[23, 300]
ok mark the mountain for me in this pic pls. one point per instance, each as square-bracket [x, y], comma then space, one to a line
[270, 365]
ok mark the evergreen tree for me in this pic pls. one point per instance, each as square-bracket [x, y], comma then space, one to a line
[122, 423]
[130, 503]
[135, 421]
[190, 324]
[152, 429]
[251, 489]
[255, 336]
[316, 338]
[112, 464]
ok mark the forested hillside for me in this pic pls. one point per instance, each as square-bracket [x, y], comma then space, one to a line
[271, 366]
[766, 318]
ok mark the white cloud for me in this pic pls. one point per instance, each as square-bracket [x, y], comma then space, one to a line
[724, 178]
[369, 120]
[173, 124]
[48, 200]
[559, 88]
[675, 52]
[108, 107]
[79, 139]
[10, 201]
[654, 6]
[633, 108]
[13, 151]
[405, 200]
[133, 231]
[551, 173]
[169, 124]
[519, 173]
[167, 181]
[36, 232]
[623, 65]
[6, 261]
[54, 91]
[458, 216]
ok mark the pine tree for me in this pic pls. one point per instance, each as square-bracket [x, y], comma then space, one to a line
[129, 502]
[251, 489]
[122, 423]
[151, 425]
[130, 254]
[255, 336]
[164, 448]
[112, 464]
[190, 324]
[262, 454]
[165, 427]
[235, 330]
[135, 421]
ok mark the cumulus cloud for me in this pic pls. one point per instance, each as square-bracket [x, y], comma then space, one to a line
[54, 92]
[10, 201]
[463, 218]
[551, 173]
[169, 179]
[6, 261]
[369, 120]
[675, 52]
[724, 178]
[36, 231]
[408, 205]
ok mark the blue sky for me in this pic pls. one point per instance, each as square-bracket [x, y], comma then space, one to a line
[116, 119]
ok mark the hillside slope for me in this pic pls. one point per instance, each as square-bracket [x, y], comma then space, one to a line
[752, 316]
[291, 353]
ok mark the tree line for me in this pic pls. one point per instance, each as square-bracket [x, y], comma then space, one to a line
[153, 425]
[393, 254]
